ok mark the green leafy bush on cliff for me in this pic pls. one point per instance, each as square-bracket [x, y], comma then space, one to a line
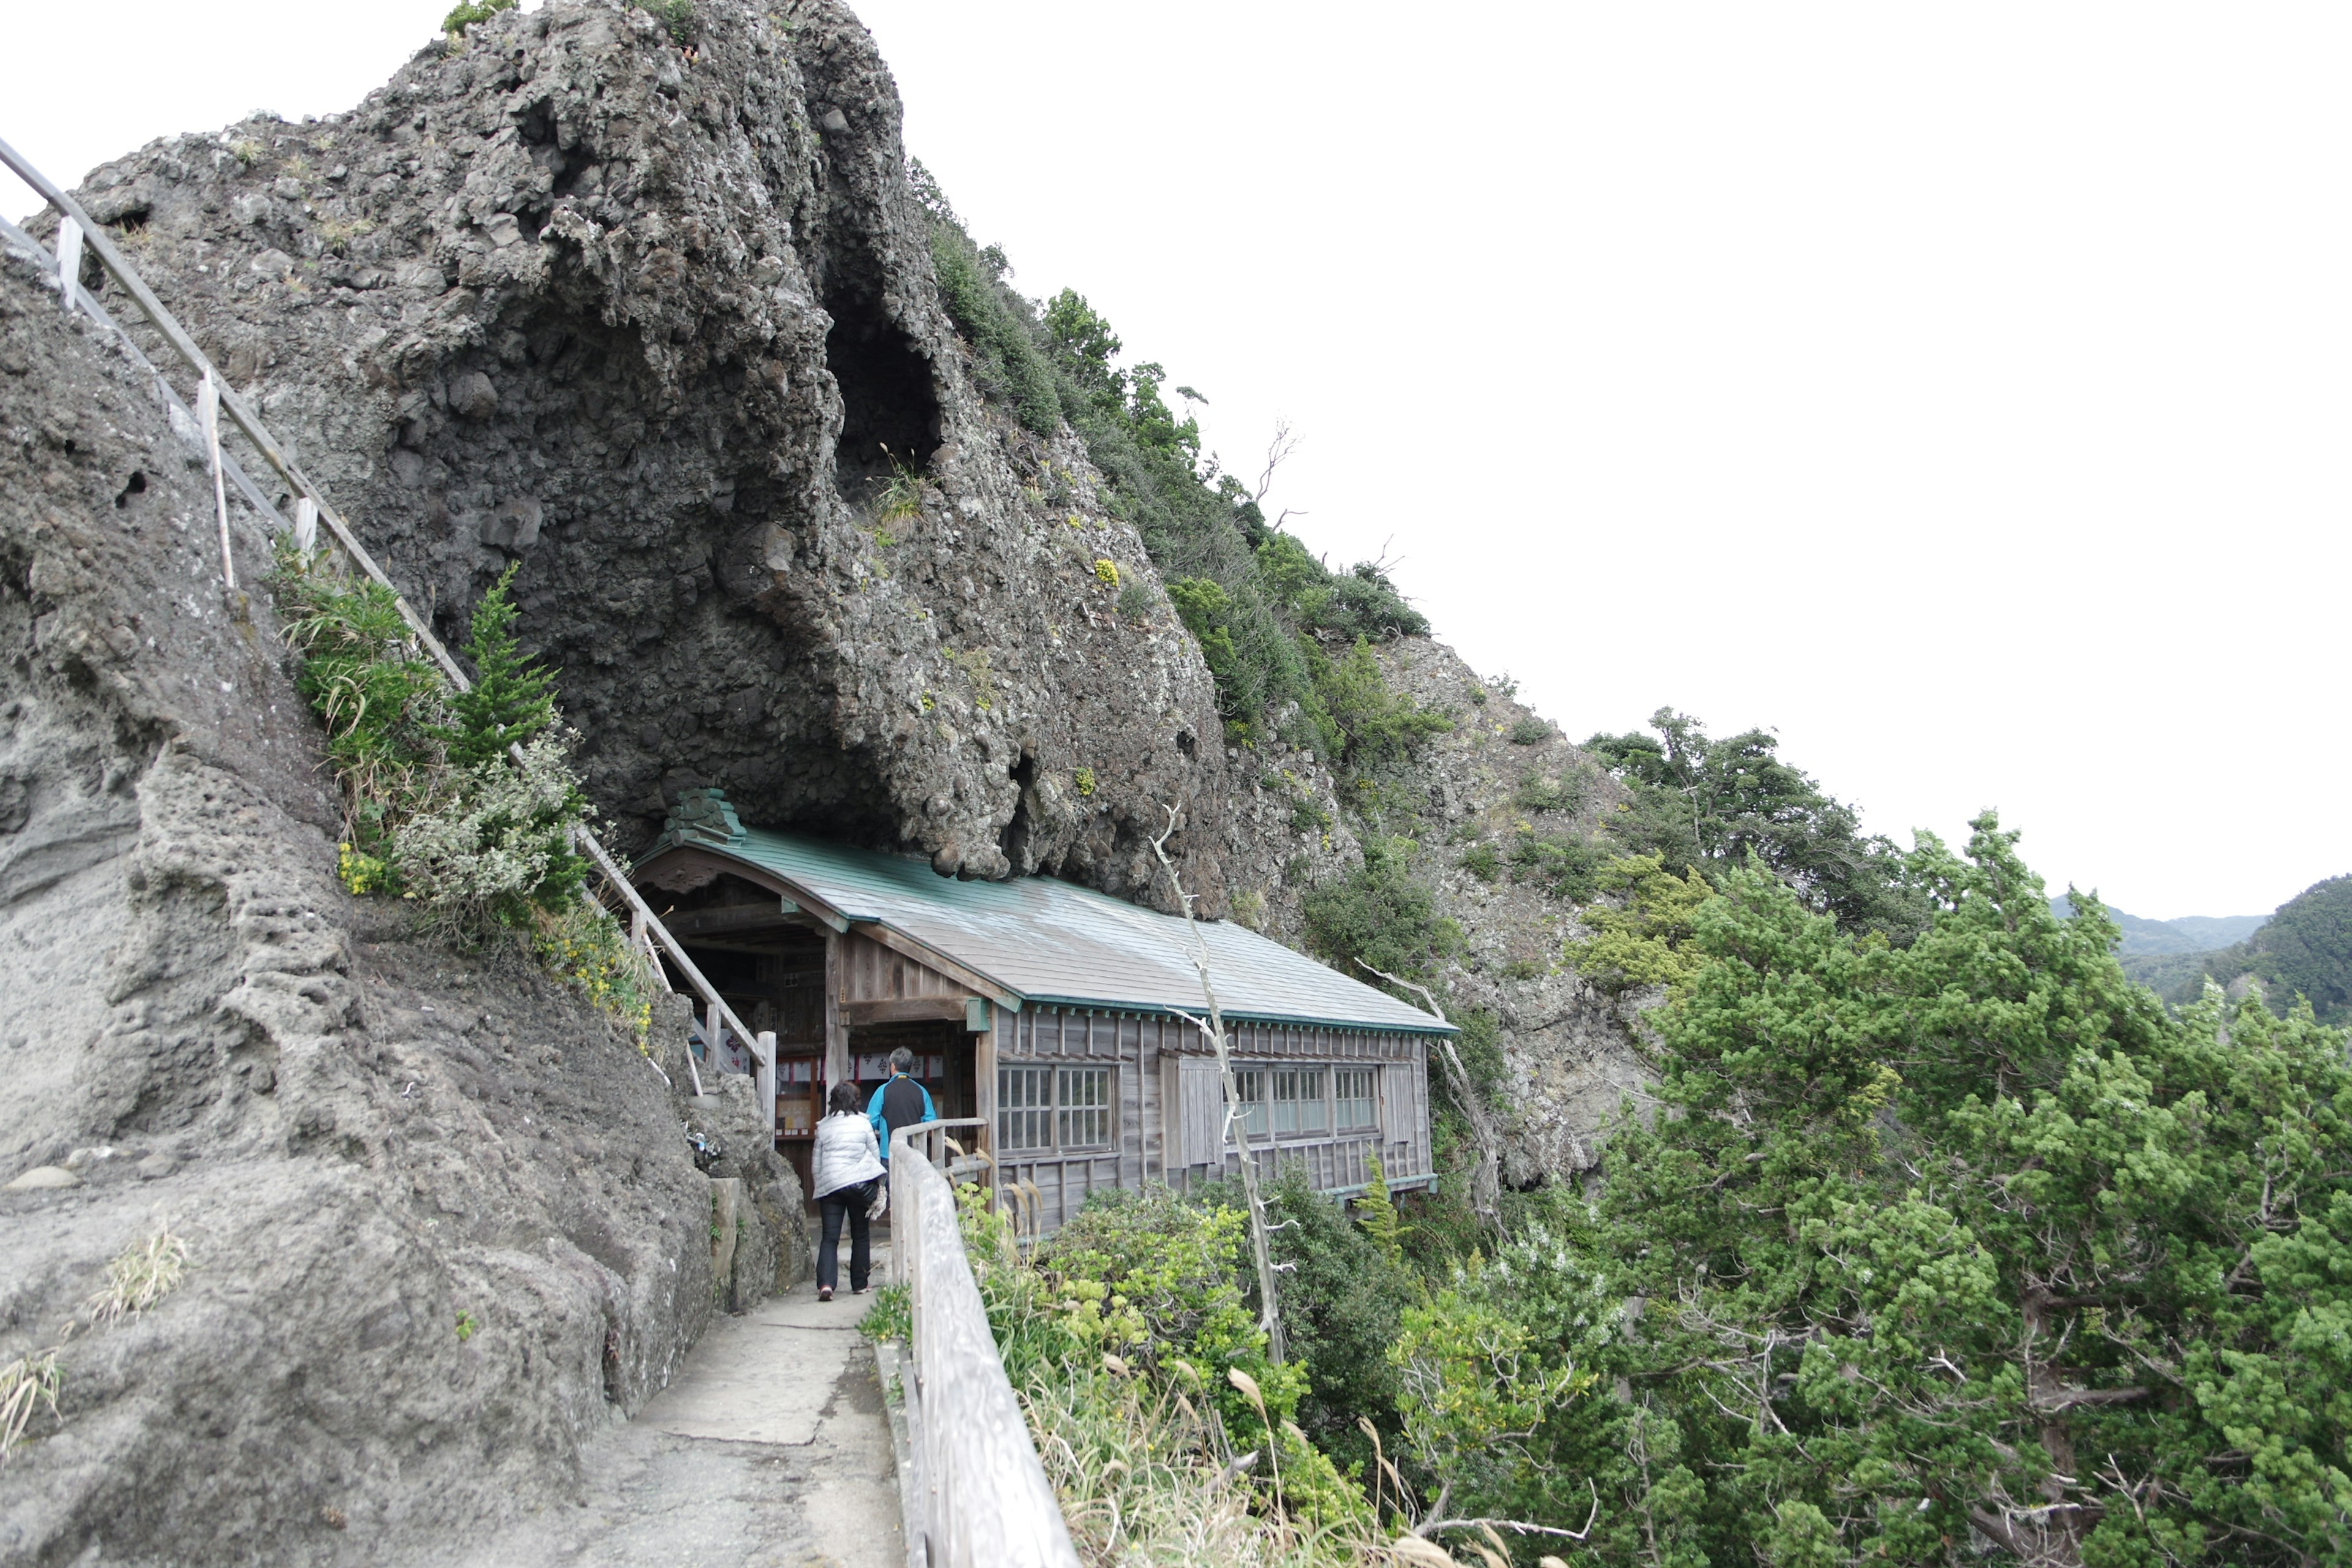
[1698, 802]
[1964, 1250]
[1380, 914]
[461, 803]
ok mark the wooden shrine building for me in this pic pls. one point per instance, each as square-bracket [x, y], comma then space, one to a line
[1056, 1013]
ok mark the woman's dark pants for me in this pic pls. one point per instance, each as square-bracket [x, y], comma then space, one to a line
[850, 1202]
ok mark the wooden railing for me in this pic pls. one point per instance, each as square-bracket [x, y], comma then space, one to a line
[977, 1494]
[75, 229]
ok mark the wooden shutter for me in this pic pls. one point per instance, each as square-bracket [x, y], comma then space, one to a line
[1199, 1117]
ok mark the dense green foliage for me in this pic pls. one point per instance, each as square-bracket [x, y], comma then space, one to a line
[1970, 1236]
[469, 12]
[1708, 803]
[1380, 914]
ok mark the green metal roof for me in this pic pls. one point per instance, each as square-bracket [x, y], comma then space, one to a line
[1044, 941]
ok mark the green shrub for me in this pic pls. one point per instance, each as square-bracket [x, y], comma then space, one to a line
[470, 12]
[1342, 1297]
[1370, 727]
[1382, 914]
[1566, 794]
[1641, 939]
[1012, 370]
[381, 696]
[1530, 731]
[1137, 601]
[1481, 861]
[1566, 866]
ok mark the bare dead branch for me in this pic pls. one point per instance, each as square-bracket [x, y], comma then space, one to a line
[1429, 1527]
[1486, 1181]
[1277, 452]
[1269, 1307]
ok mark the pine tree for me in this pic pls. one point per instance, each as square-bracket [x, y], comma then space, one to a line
[513, 697]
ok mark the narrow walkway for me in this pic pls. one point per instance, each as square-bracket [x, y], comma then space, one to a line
[772, 1450]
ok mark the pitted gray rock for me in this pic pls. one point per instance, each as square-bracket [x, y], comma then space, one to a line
[660, 324]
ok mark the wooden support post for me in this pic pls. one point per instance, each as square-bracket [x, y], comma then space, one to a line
[208, 415]
[984, 1075]
[765, 1053]
[836, 1032]
[69, 264]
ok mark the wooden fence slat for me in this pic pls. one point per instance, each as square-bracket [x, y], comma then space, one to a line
[984, 1500]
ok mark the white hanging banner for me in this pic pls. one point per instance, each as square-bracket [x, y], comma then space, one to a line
[69, 263]
[208, 415]
[306, 524]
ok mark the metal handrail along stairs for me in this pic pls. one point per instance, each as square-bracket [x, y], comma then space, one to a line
[213, 394]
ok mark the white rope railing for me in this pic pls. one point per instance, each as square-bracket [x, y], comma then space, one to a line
[979, 1493]
[76, 231]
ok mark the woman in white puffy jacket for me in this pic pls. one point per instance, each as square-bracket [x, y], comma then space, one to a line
[848, 1165]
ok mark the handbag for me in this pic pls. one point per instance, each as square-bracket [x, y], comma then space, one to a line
[879, 1203]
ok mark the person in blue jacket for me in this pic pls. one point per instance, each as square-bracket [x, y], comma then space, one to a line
[901, 1102]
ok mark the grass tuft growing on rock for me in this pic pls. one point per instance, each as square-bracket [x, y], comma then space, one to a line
[26, 1383]
[141, 1274]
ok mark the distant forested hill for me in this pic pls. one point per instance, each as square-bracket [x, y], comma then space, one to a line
[2305, 950]
[2190, 933]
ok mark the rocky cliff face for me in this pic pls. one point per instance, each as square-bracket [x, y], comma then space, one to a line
[660, 324]
[440, 1219]
[1569, 1049]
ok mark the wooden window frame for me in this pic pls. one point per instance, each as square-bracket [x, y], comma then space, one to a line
[1104, 1109]
[1047, 1113]
[1371, 1097]
[1292, 1076]
[1037, 1112]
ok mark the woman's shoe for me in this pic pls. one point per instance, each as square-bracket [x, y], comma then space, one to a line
[825, 1292]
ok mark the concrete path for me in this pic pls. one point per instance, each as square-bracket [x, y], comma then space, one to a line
[772, 1450]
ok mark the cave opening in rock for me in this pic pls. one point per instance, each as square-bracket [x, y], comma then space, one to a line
[888, 407]
[552, 447]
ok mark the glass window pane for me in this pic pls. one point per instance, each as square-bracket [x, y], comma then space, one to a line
[1254, 1120]
[1085, 1108]
[1024, 1113]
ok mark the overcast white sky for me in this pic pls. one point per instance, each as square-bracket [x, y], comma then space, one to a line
[1960, 390]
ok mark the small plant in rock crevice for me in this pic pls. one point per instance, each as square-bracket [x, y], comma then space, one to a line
[463, 804]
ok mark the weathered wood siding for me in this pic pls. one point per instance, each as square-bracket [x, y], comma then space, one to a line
[1171, 1104]
[870, 971]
